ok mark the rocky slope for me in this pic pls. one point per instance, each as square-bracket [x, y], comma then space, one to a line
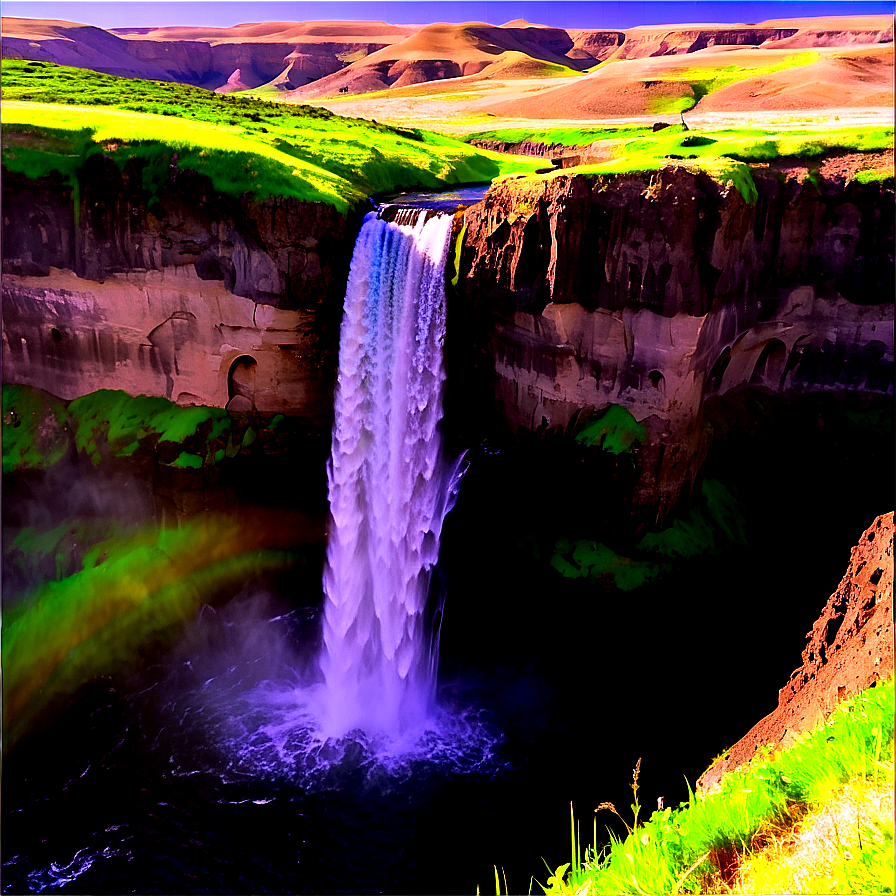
[660, 292]
[849, 647]
[666, 41]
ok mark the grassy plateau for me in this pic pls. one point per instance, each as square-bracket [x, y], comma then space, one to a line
[55, 117]
[726, 155]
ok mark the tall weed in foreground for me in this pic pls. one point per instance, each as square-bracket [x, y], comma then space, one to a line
[699, 846]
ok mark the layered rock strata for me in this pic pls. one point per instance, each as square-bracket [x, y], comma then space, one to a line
[189, 294]
[849, 647]
[660, 292]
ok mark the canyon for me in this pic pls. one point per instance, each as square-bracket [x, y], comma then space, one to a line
[667, 401]
[658, 293]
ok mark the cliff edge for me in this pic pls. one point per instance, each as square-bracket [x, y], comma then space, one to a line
[849, 648]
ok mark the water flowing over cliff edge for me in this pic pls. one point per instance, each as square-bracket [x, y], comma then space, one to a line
[655, 292]
[719, 338]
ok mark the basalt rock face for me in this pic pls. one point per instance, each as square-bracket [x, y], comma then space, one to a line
[659, 292]
[849, 648]
[189, 294]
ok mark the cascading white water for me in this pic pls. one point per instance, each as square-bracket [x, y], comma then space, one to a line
[389, 484]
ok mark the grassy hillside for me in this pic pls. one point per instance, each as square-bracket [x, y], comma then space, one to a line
[815, 818]
[56, 117]
[705, 79]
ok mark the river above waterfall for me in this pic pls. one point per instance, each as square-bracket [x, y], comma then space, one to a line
[444, 201]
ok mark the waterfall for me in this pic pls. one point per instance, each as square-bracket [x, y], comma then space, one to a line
[389, 485]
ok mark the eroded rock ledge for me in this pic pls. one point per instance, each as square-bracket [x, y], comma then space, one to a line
[182, 292]
[660, 292]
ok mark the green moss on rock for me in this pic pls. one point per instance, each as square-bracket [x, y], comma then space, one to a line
[35, 434]
[614, 431]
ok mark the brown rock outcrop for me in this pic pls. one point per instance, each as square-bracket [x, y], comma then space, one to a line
[594, 46]
[849, 648]
[279, 251]
[660, 292]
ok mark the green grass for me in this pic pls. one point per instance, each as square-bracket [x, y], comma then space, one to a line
[55, 117]
[684, 850]
[725, 155]
[564, 136]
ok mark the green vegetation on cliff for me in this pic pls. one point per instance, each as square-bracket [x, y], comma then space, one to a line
[55, 117]
[34, 429]
[739, 838]
[614, 431]
[40, 430]
[726, 155]
[715, 522]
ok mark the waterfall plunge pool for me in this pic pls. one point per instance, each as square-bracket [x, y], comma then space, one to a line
[206, 771]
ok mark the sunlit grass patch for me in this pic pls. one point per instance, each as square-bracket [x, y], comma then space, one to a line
[56, 117]
[725, 155]
[234, 162]
[566, 136]
[845, 846]
[702, 845]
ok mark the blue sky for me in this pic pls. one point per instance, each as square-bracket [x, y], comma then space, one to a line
[562, 13]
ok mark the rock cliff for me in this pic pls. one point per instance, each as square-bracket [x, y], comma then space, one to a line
[666, 41]
[286, 54]
[187, 293]
[849, 647]
[660, 292]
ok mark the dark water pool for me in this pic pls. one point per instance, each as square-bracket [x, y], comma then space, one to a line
[199, 772]
[203, 774]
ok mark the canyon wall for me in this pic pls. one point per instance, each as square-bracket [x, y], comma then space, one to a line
[188, 293]
[659, 292]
